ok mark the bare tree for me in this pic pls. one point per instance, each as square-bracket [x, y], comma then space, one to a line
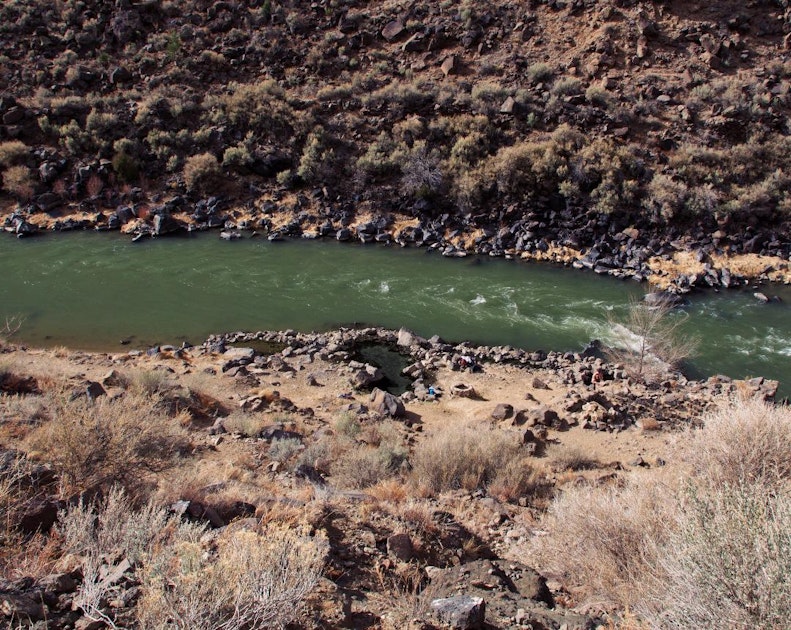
[422, 176]
[649, 339]
[12, 325]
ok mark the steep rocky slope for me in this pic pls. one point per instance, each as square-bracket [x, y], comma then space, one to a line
[504, 127]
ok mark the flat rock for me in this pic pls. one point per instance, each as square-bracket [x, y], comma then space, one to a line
[462, 612]
[392, 30]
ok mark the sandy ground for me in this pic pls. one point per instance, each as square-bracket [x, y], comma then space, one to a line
[495, 384]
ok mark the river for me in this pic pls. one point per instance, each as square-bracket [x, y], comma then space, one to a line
[90, 291]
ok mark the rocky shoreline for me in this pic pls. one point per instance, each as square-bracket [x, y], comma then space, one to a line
[610, 398]
[676, 263]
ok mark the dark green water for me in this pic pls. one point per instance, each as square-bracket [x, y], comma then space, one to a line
[89, 291]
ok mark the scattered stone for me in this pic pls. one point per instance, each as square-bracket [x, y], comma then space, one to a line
[392, 30]
[508, 106]
[449, 65]
[94, 390]
[400, 547]
[367, 376]
[502, 411]
[461, 612]
[22, 607]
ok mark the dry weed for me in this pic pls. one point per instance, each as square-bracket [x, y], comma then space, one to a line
[598, 539]
[465, 457]
[248, 580]
[745, 441]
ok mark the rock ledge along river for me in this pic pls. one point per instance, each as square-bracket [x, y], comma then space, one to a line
[89, 291]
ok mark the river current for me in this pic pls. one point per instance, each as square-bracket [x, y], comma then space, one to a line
[90, 291]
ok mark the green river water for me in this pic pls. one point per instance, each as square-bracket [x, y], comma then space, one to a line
[89, 291]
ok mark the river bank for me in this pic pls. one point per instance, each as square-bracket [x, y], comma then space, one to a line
[292, 436]
[677, 263]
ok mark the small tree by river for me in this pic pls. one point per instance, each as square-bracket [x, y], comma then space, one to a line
[649, 339]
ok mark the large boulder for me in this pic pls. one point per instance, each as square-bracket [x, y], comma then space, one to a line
[366, 376]
[386, 404]
[165, 224]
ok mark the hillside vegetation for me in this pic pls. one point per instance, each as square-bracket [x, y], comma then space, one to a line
[516, 123]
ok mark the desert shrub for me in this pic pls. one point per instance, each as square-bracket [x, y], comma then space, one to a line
[666, 197]
[604, 174]
[18, 180]
[147, 382]
[421, 173]
[468, 149]
[12, 152]
[334, 92]
[99, 122]
[261, 108]
[727, 561]
[364, 466]
[518, 477]
[96, 445]
[566, 87]
[488, 96]
[110, 527]
[347, 425]
[598, 95]
[74, 140]
[16, 493]
[649, 340]
[402, 97]
[126, 166]
[747, 441]
[316, 164]
[707, 546]
[611, 531]
[529, 167]
[248, 580]
[246, 424]
[106, 533]
[237, 157]
[22, 554]
[539, 72]
[201, 171]
[285, 449]
[381, 158]
[466, 457]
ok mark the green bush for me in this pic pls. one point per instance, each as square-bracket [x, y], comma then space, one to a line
[126, 167]
[539, 72]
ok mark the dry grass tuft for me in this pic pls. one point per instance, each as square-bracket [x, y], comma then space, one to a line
[469, 458]
[573, 459]
[609, 531]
